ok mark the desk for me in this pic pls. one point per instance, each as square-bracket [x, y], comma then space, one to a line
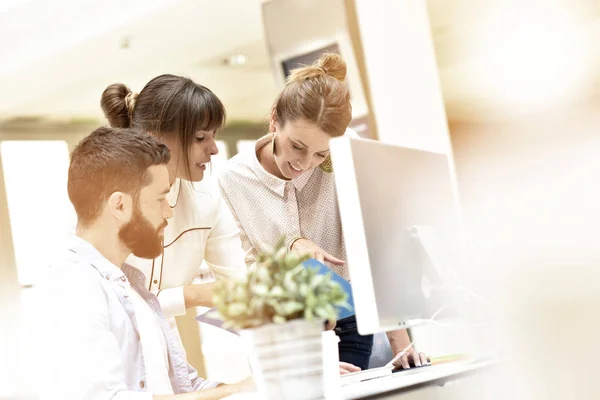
[418, 384]
[401, 384]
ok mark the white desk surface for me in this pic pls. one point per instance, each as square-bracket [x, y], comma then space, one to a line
[399, 381]
[411, 379]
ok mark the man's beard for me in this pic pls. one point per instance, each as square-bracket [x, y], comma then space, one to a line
[141, 237]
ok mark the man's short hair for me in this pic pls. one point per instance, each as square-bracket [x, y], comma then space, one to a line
[111, 160]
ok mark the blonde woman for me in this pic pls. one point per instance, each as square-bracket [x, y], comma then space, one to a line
[286, 187]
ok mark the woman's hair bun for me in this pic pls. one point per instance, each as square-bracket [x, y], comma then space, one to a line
[330, 64]
[114, 105]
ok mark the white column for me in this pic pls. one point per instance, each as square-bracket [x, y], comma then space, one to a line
[402, 73]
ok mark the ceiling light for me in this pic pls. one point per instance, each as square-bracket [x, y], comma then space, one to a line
[235, 60]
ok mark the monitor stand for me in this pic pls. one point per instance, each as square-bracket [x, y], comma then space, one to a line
[442, 263]
[438, 281]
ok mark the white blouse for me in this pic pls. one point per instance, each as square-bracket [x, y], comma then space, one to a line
[202, 228]
[266, 207]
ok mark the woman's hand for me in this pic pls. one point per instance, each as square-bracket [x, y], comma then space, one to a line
[404, 361]
[347, 368]
[403, 350]
[305, 246]
[199, 295]
[330, 325]
[246, 385]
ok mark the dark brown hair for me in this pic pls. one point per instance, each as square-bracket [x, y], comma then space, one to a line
[317, 93]
[167, 106]
[111, 160]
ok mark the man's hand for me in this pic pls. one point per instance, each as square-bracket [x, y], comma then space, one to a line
[347, 368]
[305, 246]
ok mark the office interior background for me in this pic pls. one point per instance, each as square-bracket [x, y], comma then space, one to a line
[511, 89]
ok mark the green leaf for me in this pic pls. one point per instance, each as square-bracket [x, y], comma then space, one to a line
[280, 243]
[280, 253]
[288, 282]
[277, 291]
[260, 289]
[276, 305]
[308, 313]
[263, 274]
[304, 289]
[291, 307]
[322, 312]
[240, 294]
[311, 300]
[316, 281]
[297, 270]
[236, 309]
[292, 259]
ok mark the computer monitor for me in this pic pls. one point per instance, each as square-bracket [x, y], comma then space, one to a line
[401, 224]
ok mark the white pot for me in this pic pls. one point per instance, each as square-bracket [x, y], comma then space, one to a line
[286, 359]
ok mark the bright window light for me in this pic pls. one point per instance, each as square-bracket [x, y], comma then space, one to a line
[245, 145]
[41, 215]
[532, 55]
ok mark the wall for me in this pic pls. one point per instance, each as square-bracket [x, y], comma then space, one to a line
[530, 194]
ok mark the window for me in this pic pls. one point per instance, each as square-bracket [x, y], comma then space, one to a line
[245, 145]
[41, 215]
[217, 163]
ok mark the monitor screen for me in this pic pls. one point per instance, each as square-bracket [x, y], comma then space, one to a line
[402, 231]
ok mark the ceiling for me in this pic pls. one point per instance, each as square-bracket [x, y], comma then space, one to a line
[56, 59]
[187, 37]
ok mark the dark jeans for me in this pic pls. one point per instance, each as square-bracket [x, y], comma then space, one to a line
[354, 348]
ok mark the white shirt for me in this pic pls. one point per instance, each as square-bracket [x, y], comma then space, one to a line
[266, 207]
[202, 228]
[89, 343]
[154, 346]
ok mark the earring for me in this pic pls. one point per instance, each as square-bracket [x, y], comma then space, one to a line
[327, 165]
[273, 144]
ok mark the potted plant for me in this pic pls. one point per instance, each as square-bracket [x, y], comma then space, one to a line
[279, 308]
